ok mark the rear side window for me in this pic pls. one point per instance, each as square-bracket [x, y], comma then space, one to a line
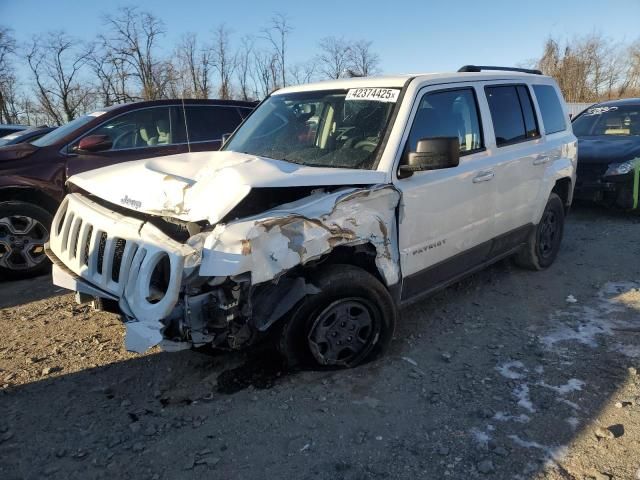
[550, 109]
[512, 114]
[210, 123]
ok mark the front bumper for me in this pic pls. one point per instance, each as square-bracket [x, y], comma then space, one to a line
[102, 253]
[618, 190]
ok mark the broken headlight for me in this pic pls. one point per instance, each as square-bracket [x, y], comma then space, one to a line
[619, 168]
[197, 243]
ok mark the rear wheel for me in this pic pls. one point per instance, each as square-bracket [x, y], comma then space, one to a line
[544, 242]
[24, 229]
[351, 320]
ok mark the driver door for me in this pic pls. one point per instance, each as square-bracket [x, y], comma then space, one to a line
[143, 133]
[446, 215]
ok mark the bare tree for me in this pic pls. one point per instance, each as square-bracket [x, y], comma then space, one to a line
[277, 34]
[132, 40]
[265, 72]
[588, 68]
[224, 61]
[362, 61]
[303, 72]
[333, 60]
[243, 63]
[194, 67]
[8, 107]
[56, 62]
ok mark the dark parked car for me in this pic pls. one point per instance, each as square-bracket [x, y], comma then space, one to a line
[8, 129]
[25, 136]
[609, 153]
[33, 175]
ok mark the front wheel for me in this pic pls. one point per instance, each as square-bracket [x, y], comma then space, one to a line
[24, 229]
[349, 321]
[543, 244]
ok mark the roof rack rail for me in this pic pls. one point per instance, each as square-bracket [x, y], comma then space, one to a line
[480, 68]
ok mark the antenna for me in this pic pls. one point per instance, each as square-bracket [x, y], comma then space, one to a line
[186, 127]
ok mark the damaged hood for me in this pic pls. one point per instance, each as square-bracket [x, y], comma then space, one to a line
[605, 149]
[206, 185]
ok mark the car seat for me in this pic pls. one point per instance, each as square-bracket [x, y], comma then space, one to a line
[164, 132]
[149, 134]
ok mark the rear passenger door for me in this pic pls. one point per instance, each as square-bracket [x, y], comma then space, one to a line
[518, 148]
[206, 124]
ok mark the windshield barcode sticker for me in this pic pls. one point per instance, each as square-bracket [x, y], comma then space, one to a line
[373, 94]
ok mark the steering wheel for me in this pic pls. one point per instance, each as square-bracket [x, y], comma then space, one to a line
[366, 145]
[121, 139]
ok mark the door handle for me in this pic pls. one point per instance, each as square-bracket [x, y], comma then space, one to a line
[542, 159]
[483, 177]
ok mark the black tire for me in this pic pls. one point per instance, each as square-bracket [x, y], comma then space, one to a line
[310, 338]
[544, 242]
[22, 222]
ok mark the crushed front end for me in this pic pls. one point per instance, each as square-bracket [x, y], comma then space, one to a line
[224, 285]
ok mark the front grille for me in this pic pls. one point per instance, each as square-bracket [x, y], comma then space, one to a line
[118, 253]
[123, 256]
[89, 248]
[102, 244]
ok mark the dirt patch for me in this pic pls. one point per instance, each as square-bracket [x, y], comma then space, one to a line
[508, 374]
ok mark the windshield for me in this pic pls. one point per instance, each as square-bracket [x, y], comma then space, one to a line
[59, 133]
[330, 128]
[620, 121]
[8, 138]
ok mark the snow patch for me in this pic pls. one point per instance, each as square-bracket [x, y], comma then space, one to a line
[573, 385]
[508, 370]
[521, 392]
[573, 421]
[505, 417]
[555, 453]
[480, 437]
[615, 309]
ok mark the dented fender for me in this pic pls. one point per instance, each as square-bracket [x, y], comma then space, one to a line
[270, 244]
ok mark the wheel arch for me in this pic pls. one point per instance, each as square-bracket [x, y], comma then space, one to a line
[563, 188]
[29, 195]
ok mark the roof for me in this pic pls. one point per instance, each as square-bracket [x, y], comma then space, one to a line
[8, 126]
[620, 102]
[179, 101]
[398, 81]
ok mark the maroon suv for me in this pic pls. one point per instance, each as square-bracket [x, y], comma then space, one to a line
[33, 175]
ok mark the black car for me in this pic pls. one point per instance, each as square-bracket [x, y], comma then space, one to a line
[609, 153]
[8, 129]
[25, 136]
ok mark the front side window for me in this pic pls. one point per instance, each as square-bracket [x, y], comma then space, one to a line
[512, 114]
[451, 113]
[327, 128]
[206, 124]
[148, 127]
[617, 121]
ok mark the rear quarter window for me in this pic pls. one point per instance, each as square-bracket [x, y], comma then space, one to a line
[550, 108]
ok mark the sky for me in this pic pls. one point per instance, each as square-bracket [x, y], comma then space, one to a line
[409, 36]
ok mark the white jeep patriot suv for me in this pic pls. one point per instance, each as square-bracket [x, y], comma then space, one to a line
[331, 206]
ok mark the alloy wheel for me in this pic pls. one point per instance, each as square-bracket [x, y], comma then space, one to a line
[22, 242]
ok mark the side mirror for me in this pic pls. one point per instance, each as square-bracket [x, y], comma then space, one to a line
[94, 143]
[225, 137]
[431, 154]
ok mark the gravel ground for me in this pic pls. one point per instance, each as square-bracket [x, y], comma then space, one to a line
[508, 375]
